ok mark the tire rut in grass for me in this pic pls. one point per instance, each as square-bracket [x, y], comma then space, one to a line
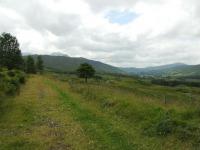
[102, 130]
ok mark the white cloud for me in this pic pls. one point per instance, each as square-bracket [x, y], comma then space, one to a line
[164, 31]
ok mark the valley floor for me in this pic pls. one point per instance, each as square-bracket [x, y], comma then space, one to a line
[47, 115]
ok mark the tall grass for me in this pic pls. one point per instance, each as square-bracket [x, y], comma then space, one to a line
[156, 110]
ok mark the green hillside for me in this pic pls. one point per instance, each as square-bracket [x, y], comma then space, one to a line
[190, 70]
[70, 64]
[177, 70]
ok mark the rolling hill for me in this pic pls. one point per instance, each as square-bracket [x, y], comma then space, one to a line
[158, 70]
[70, 64]
[176, 69]
[188, 70]
[64, 63]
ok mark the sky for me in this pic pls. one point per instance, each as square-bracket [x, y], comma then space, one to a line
[124, 33]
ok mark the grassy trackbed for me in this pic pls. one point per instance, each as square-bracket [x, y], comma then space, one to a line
[50, 114]
[104, 132]
[36, 120]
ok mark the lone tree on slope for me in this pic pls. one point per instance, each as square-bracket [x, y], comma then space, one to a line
[86, 71]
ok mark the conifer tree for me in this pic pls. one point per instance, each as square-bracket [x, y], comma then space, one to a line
[10, 54]
[39, 64]
[30, 65]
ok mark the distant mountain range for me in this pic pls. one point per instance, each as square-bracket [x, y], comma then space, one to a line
[176, 69]
[158, 70]
[64, 63]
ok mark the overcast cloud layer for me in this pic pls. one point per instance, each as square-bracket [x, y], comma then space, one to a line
[159, 31]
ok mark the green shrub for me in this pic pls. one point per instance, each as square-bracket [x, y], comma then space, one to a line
[191, 114]
[1, 75]
[11, 73]
[167, 123]
[161, 123]
[21, 77]
[165, 127]
[185, 133]
[10, 89]
[10, 81]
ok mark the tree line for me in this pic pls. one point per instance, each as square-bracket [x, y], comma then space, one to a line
[172, 83]
[11, 56]
[32, 66]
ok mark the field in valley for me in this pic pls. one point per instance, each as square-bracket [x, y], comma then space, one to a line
[61, 112]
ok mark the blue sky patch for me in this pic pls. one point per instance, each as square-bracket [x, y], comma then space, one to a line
[121, 17]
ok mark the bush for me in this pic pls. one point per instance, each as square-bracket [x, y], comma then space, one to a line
[98, 78]
[10, 89]
[1, 75]
[185, 133]
[15, 81]
[165, 126]
[11, 73]
[10, 81]
[22, 78]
